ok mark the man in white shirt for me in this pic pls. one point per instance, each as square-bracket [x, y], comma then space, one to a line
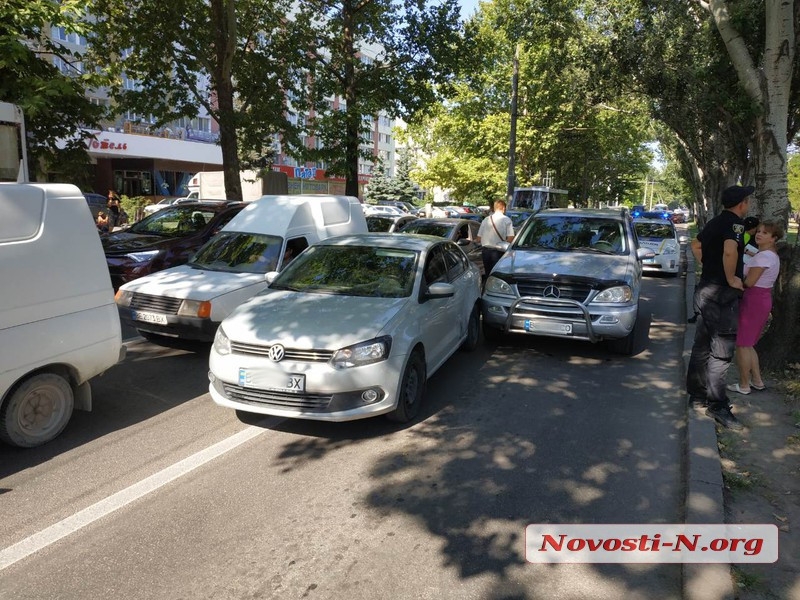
[495, 229]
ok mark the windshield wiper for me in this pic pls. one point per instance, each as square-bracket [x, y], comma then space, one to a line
[593, 249]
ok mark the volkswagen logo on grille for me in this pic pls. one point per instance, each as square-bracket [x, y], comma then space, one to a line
[276, 353]
[551, 291]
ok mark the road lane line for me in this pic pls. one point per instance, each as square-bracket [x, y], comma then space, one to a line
[52, 534]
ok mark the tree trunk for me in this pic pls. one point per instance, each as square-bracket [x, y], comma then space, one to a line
[353, 127]
[224, 14]
[781, 343]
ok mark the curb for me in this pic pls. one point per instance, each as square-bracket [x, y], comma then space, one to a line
[704, 503]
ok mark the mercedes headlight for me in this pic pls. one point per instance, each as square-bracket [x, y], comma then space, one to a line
[222, 345]
[614, 295]
[364, 353]
[495, 285]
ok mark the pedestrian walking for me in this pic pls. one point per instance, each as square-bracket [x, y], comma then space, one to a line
[719, 247]
[494, 230]
[760, 275]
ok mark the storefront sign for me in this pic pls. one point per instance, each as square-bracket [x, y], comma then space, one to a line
[305, 172]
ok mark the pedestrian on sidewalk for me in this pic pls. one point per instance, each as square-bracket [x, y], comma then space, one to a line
[719, 248]
[760, 275]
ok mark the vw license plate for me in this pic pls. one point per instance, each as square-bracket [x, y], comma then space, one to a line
[548, 327]
[291, 382]
[148, 317]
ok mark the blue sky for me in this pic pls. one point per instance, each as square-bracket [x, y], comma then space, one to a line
[467, 7]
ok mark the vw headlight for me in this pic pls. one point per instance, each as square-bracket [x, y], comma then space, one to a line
[222, 345]
[123, 297]
[614, 295]
[365, 353]
[495, 285]
[141, 257]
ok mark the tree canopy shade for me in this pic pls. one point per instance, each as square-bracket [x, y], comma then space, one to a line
[238, 59]
[54, 102]
[569, 131]
[373, 55]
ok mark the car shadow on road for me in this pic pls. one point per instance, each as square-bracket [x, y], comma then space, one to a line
[150, 380]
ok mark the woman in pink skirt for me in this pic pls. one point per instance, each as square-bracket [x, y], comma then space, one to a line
[760, 274]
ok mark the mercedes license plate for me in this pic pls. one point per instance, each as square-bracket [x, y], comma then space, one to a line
[556, 327]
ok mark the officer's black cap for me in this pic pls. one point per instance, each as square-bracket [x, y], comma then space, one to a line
[735, 194]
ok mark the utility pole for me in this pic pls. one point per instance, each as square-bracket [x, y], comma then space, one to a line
[512, 149]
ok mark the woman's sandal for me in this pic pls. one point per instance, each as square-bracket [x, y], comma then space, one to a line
[758, 388]
[734, 387]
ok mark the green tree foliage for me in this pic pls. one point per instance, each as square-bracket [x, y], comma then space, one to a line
[373, 55]
[56, 109]
[569, 132]
[238, 59]
[399, 188]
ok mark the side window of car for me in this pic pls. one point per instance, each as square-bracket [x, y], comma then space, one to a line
[223, 220]
[453, 260]
[294, 247]
[473, 230]
[435, 269]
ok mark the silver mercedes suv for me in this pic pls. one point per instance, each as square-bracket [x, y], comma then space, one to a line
[570, 273]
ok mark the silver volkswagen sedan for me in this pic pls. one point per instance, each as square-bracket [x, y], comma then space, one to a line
[352, 328]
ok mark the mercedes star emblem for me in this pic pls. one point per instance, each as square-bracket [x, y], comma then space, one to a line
[551, 291]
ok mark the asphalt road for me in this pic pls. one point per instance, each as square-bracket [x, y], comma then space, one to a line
[159, 493]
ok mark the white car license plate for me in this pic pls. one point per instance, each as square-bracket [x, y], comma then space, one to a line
[291, 382]
[149, 317]
[548, 327]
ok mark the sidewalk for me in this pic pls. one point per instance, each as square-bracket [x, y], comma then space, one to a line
[704, 484]
[756, 480]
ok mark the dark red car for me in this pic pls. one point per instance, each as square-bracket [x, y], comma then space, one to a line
[164, 239]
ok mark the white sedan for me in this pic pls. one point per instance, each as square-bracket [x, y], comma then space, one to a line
[660, 236]
[352, 328]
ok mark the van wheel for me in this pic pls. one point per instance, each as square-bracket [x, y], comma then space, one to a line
[37, 411]
[411, 390]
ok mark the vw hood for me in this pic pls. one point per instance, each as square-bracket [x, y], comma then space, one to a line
[603, 267]
[318, 321]
[185, 282]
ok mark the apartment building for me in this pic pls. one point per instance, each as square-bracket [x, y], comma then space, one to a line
[134, 157]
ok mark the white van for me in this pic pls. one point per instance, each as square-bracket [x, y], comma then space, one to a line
[190, 301]
[59, 325]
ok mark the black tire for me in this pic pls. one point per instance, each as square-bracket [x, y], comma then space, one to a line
[491, 334]
[37, 411]
[411, 389]
[625, 346]
[473, 330]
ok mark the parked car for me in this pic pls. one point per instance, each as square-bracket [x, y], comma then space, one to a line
[661, 237]
[374, 209]
[189, 301]
[406, 207]
[461, 231]
[163, 203]
[387, 223]
[677, 217]
[569, 273]
[351, 329]
[164, 239]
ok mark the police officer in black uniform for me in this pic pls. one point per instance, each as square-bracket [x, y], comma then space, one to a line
[719, 246]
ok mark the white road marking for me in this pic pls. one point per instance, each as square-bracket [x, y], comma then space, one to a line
[42, 539]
